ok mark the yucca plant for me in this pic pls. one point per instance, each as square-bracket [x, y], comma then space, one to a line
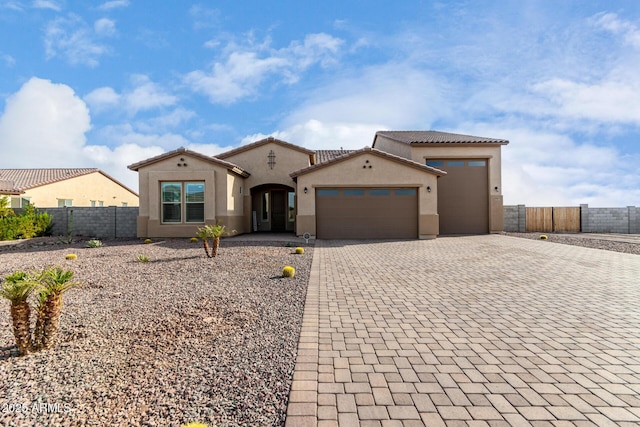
[54, 282]
[17, 288]
[213, 232]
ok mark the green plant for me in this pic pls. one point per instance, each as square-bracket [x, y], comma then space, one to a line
[543, 237]
[213, 232]
[288, 271]
[147, 241]
[193, 240]
[94, 243]
[53, 283]
[24, 226]
[299, 250]
[71, 257]
[5, 207]
[195, 424]
[142, 258]
[17, 288]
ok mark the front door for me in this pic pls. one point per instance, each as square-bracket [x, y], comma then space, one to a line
[278, 211]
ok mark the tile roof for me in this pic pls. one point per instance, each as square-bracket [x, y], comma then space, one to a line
[20, 180]
[262, 142]
[435, 137]
[234, 168]
[373, 151]
[326, 155]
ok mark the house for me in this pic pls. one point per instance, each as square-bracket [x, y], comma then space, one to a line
[408, 184]
[47, 188]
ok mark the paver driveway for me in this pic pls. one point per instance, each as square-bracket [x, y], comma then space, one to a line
[483, 330]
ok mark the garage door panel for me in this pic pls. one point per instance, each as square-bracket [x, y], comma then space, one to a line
[363, 214]
[463, 197]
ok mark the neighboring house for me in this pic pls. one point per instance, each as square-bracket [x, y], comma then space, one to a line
[46, 188]
[416, 184]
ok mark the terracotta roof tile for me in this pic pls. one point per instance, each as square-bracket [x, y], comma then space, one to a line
[24, 179]
[262, 142]
[326, 155]
[373, 151]
[235, 168]
[435, 137]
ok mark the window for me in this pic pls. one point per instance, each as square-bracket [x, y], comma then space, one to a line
[379, 192]
[175, 206]
[95, 203]
[292, 206]
[477, 163]
[265, 206]
[64, 203]
[353, 192]
[435, 163]
[20, 202]
[455, 163]
[326, 193]
[405, 192]
[125, 204]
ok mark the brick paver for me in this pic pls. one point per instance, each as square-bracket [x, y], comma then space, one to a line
[470, 331]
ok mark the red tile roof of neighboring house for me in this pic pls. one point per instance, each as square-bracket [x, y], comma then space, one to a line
[435, 137]
[17, 181]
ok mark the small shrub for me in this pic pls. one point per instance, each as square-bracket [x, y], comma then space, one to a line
[147, 241]
[71, 256]
[94, 243]
[288, 271]
[543, 237]
[142, 258]
[194, 240]
[299, 250]
[194, 424]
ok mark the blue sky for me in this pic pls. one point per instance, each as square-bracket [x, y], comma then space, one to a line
[91, 84]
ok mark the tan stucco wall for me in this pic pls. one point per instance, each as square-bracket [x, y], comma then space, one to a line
[81, 190]
[217, 197]
[394, 147]
[493, 155]
[255, 162]
[383, 173]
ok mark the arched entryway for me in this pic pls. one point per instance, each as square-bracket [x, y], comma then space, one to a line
[273, 208]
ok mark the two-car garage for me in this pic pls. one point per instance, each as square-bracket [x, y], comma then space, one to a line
[366, 213]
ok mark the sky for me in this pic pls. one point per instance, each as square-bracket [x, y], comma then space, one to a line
[107, 84]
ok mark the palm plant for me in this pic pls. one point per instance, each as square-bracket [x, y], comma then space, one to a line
[17, 288]
[54, 281]
[213, 232]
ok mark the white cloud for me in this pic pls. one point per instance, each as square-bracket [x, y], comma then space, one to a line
[46, 4]
[8, 60]
[114, 4]
[13, 5]
[612, 23]
[46, 124]
[243, 69]
[147, 95]
[74, 40]
[143, 96]
[104, 27]
[102, 98]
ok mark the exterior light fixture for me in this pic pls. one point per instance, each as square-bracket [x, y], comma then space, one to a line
[306, 190]
[428, 189]
[496, 188]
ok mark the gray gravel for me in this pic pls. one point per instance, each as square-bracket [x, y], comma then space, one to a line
[181, 338]
[625, 244]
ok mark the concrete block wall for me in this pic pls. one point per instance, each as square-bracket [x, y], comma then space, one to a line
[515, 218]
[592, 220]
[98, 222]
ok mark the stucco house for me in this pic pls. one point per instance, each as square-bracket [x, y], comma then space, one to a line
[408, 184]
[50, 188]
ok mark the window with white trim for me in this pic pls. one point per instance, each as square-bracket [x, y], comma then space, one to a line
[65, 203]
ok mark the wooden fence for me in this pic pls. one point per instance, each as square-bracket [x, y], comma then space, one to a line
[553, 219]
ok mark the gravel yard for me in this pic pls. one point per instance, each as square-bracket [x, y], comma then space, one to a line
[629, 244]
[177, 339]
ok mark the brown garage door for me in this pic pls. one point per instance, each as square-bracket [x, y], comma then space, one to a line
[463, 196]
[366, 213]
